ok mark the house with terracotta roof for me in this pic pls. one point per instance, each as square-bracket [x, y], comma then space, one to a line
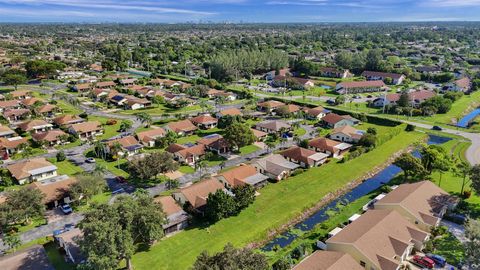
[15, 115]
[55, 190]
[47, 110]
[177, 218]
[67, 119]
[273, 126]
[328, 260]
[215, 143]
[187, 154]
[231, 112]
[106, 84]
[360, 87]
[415, 98]
[6, 132]
[316, 113]
[32, 170]
[127, 82]
[86, 130]
[148, 137]
[196, 194]
[461, 85]
[333, 120]
[275, 166]
[35, 126]
[128, 144]
[269, 106]
[83, 87]
[182, 128]
[346, 134]
[335, 73]
[28, 103]
[34, 257]
[21, 94]
[205, 121]
[397, 79]
[242, 175]
[422, 203]
[332, 148]
[11, 145]
[10, 104]
[288, 81]
[304, 157]
[286, 110]
[51, 137]
[259, 135]
[379, 240]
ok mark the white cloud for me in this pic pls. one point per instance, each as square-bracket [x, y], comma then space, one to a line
[452, 3]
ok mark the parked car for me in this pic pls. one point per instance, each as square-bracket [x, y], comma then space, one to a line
[66, 209]
[437, 128]
[423, 261]
[90, 160]
[439, 260]
[121, 179]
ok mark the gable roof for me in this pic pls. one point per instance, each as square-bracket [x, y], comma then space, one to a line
[197, 193]
[271, 104]
[4, 130]
[149, 135]
[30, 125]
[54, 189]
[275, 164]
[332, 118]
[125, 142]
[182, 126]
[381, 236]
[86, 127]
[424, 200]
[324, 144]
[328, 260]
[67, 119]
[349, 131]
[26, 168]
[304, 155]
[12, 143]
[238, 175]
[203, 119]
[275, 125]
[382, 74]
[50, 136]
[463, 83]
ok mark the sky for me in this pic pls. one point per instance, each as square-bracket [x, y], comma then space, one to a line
[268, 11]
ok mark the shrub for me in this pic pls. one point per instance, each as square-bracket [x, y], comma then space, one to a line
[61, 156]
[410, 128]
[111, 122]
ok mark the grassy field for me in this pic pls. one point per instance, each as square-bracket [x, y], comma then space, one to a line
[248, 149]
[109, 130]
[277, 204]
[65, 167]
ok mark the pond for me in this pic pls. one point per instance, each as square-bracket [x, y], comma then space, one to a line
[467, 119]
[369, 185]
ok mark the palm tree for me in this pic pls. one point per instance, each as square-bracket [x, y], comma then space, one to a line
[99, 170]
[145, 118]
[270, 145]
[463, 170]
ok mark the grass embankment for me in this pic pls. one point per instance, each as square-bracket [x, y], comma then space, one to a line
[277, 205]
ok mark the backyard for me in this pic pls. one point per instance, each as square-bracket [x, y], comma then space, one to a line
[268, 212]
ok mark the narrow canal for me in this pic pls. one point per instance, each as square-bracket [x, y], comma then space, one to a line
[467, 119]
[369, 185]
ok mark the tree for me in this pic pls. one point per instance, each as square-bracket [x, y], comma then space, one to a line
[125, 125]
[239, 135]
[43, 68]
[220, 205]
[463, 170]
[404, 100]
[368, 140]
[169, 138]
[145, 118]
[152, 164]
[472, 245]
[12, 241]
[374, 58]
[340, 100]
[244, 196]
[61, 156]
[23, 205]
[87, 186]
[411, 166]
[110, 232]
[475, 178]
[231, 258]
[14, 79]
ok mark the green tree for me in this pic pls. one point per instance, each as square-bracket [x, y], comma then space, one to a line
[411, 166]
[145, 118]
[472, 246]
[14, 79]
[475, 178]
[12, 241]
[463, 170]
[152, 164]
[239, 135]
[374, 59]
[368, 140]
[87, 186]
[61, 156]
[125, 125]
[244, 196]
[22, 205]
[231, 258]
[220, 205]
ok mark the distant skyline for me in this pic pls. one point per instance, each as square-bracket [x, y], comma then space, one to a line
[168, 11]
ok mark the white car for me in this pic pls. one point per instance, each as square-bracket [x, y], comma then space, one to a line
[90, 160]
[66, 209]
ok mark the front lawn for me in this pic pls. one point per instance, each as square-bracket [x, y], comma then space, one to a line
[277, 204]
[109, 130]
[248, 149]
[65, 167]
[185, 169]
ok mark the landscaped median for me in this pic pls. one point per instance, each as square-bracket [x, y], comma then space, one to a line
[277, 205]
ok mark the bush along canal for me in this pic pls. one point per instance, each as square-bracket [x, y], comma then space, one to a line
[467, 119]
[377, 181]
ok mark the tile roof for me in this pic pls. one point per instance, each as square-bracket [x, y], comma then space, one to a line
[197, 193]
[381, 74]
[49, 136]
[30, 125]
[169, 205]
[304, 155]
[324, 144]
[23, 169]
[12, 143]
[55, 188]
[15, 112]
[238, 175]
[67, 119]
[231, 111]
[328, 260]
[87, 127]
[182, 126]
[150, 135]
[125, 142]
[204, 119]
[332, 118]
[271, 104]
[46, 108]
[275, 125]
[349, 131]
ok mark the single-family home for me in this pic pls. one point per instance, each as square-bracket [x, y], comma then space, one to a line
[187, 154]
[47, 110]
[86, 130]
[330, 147]
[148, 137]
[229, 96]
[379, 239]
[215, 143]
[422, 203]
[118, 100]
[183, 127]
[205, 121]
[243, 175]
[275, 166]
[128, 144]
[32, 170]
[316, 113]
[333, 120]
[83, 87]
[55, 190]
[6, 132]
[346, 134]
[429, 70]
[11, 145]
[68, 241]
[10, 104]
[231, 112]
[177, 218]
[21, 94]
[35, 126]
[305, 157]
[461, 85]
[360, 87]
[30, 102]
[106, 84]
[328, 260]
[269, 106]
[287, 81]
[335, 73]
[134, 103]
[396, 79]
[273, 126]
[196, 195]
[15, 115]
[288, 109]
[34, 257]
[51, 137]
[127, 82]
[259, 135]
[67, 119]
[416, 98]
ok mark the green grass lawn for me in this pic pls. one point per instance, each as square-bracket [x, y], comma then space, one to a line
[276, 205]
[66, 167]
[109, 130]
[69, 145]
[56, 258]
[186, 169]
[248, 149]
[68, 108]
[35, 152]
[188, 139]
[99, 198]
[161, 109]
[299, 132]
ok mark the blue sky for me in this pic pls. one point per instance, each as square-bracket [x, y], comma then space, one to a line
[238, 10]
